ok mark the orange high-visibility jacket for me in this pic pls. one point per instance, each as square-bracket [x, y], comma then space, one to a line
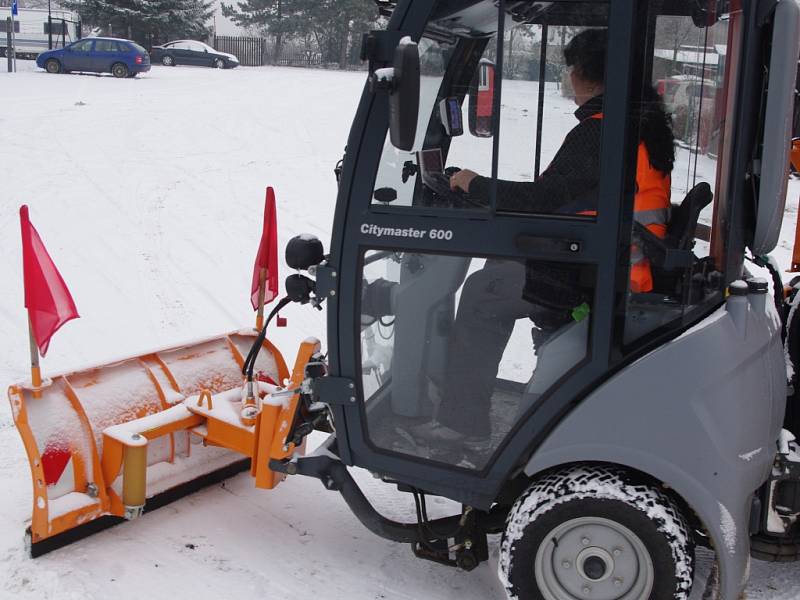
[650, 208]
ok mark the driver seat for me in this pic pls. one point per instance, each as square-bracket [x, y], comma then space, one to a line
[671, 257]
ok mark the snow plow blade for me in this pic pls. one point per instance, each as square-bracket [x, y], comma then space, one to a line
[106, 441]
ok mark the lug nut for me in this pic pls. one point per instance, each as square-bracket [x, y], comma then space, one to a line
[617, 551]
[566, 564]
[586, 589]
[618, 581]
[585, 541]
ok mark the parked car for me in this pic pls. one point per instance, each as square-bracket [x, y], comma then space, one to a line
[121, 58]
[190, 52]
[680, 90]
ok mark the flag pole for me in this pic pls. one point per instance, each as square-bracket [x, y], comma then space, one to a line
[262, 291]
[36, 374]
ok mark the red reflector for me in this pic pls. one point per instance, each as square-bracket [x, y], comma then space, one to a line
[138, 60]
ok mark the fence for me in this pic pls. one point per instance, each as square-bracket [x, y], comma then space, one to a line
[251, 51]
[254, 52]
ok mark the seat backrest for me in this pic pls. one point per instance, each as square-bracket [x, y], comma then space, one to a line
[683, 221]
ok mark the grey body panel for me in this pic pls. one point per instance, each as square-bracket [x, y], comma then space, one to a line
[701, 413]
[777, 126]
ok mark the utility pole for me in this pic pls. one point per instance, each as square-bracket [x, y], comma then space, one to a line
[49, 27]
[13, 48]
[9, 46]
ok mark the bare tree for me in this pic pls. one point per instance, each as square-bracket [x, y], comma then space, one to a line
[674, 32]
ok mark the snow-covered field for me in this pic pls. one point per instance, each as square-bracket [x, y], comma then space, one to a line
[148, 194]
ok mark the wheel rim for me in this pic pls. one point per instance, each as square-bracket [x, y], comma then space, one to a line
[593, 558]
[219, 64]
[52, 66]
[119, 71]
[167, 61]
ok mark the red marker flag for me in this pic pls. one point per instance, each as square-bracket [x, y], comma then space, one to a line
[267, 257]
[47, 298]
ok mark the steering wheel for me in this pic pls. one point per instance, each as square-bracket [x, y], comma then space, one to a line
[443, 196]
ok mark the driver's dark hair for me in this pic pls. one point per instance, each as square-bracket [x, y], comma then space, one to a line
[586, 53]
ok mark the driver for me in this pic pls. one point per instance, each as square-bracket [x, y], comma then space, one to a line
[551, 294]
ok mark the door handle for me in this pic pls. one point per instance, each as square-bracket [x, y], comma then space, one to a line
[529, 243]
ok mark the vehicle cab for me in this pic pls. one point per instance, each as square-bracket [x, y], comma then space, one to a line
[486, 336]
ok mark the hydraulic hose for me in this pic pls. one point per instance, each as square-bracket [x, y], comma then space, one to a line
[250, 361]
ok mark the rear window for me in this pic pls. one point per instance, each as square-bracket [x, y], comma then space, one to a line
[137, 47]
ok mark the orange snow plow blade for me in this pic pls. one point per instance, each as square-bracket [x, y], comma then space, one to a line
[105, 441]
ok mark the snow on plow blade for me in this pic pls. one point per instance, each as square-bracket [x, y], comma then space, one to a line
[104, 441]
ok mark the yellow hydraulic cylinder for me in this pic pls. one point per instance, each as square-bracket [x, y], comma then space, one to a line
[134, 477]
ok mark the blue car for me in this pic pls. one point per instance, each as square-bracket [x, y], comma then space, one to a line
[121, 58]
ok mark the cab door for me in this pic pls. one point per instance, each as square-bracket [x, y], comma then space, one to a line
[439, 319]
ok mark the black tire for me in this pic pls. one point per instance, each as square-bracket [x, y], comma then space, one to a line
[218, 63]
[51, 65]
[547, 551]
[167, 61]
[120, 70]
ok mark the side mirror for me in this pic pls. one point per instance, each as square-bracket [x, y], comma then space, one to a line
[481, 100]
[773, 180]
[404, 98]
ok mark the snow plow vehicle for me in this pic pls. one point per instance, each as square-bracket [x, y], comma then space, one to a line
[605, 430]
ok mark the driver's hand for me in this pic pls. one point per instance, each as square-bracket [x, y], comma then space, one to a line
[461, 180]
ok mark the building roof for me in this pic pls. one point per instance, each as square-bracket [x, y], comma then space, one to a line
[691, 57]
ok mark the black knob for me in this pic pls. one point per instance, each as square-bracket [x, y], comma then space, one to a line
[304, 251]
[299, 288]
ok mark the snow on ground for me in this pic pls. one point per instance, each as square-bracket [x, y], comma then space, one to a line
[148, 193]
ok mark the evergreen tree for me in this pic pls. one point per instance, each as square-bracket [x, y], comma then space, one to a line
[335, 25]
[279, 18]
[146, 21]
[338, 25]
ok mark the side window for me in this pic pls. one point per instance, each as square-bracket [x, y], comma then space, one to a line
[456, 350]
[4, 28]
[58, 28]
[551, 116]
[84, 46]
[682, 167]
[105, 46]
[195, 47]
